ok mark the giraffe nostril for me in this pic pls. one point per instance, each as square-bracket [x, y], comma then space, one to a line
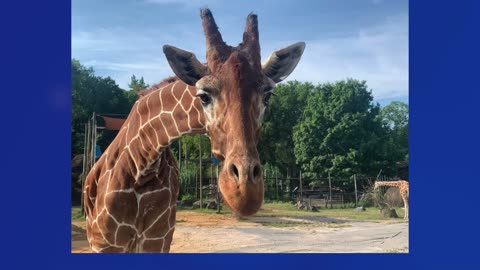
[234, 170]
[256, 171]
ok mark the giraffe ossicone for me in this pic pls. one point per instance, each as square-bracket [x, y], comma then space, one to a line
[132, 189]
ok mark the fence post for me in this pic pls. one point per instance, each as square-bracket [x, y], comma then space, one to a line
[288, 185]
[94, 141]
[196, 185]
[179, 155]
[218, 194]
[378, 175]
[276, 183]
[265, 179]
[330, 190]
[301, 187]
[200, 172]
[82, 211]
[355, 182]
[186, 156]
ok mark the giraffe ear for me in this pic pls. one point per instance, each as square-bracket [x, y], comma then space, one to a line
[185, 65]
[282, 62]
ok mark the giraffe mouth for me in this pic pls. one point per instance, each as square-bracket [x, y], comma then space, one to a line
[244, 197]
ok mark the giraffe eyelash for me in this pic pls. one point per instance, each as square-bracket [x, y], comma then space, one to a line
[205, 97]
[267, 96]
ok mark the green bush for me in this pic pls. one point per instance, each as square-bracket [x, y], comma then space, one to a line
[187, 197]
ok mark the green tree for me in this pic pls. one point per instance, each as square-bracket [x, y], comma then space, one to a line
[395, 115]
[90, 94]
[189, 164]
[340, 132]
[395, 120]
[282, 114]
[134, 86]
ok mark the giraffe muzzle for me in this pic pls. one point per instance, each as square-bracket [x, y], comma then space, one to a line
[241, 184]
[250, 172]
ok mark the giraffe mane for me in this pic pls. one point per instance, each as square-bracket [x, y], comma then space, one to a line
[143, 92]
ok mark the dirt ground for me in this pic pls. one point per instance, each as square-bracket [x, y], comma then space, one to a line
[200, 233]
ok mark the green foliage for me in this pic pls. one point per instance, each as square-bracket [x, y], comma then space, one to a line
[395, 121]
[189, 164]
[270, 174]
[340, 132]
[395, 115]
[90, 94]
[329, 128]
[283, 113]
[134, 86]
[288, 210]
[77, 214]
[187, 197]
[188, 178]
[191, 145]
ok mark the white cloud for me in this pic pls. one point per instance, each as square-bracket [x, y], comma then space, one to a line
[184, 3]
[119, 66]
[378, 55]
[120, 52]
[152, 70]
[117, 40]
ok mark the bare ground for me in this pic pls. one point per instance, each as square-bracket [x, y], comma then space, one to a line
[200, 233]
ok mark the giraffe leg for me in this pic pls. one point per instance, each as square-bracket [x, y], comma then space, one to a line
[156, 245]
[158, 237]
[405, 203]
[113, 233]
[101, 241]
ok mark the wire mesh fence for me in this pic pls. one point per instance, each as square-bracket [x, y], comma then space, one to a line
[333, 192]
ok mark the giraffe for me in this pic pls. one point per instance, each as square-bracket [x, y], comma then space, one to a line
[131, 191]
[402, 187]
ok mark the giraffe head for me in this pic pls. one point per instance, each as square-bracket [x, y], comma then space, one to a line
[234, 88]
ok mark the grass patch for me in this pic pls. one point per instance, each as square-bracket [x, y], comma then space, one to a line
[224, 211]
[370, 214]
[289, 210]
[315, 224]
[280, 209]
[284, 209]
[284, 224]
[77, 214]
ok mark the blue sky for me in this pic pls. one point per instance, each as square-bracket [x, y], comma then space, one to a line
[360, 39]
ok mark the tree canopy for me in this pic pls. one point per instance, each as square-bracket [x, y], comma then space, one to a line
[395, 121]
[331, 128]
[340, 132]
[282, 114]
[91, 93]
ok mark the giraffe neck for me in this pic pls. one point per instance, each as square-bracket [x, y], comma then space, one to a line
[164, 115]
[155, 121]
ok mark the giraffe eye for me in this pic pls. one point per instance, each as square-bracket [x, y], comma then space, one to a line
[205, 99]
[266, 97]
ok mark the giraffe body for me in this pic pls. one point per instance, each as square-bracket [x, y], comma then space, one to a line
[402, 187]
